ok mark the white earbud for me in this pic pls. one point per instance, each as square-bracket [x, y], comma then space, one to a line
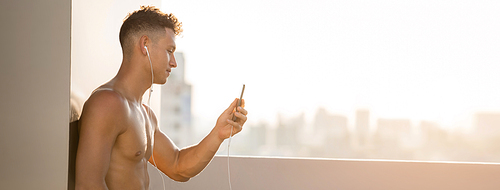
[151, 66]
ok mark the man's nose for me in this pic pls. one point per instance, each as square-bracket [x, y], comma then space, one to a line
[173, 62]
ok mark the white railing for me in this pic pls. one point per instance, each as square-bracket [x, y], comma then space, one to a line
[304, 173]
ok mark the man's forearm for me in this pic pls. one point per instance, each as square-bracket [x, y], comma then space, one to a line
[192, 160]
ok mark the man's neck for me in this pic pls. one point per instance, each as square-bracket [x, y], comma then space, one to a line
[132, 81]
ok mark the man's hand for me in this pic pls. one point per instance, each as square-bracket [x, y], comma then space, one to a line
[225, 122]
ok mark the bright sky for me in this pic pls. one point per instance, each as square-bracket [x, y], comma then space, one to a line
[423, 60]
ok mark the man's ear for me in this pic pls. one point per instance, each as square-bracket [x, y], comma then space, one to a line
[144, 41]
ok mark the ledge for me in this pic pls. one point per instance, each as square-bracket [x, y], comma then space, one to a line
[307, 173]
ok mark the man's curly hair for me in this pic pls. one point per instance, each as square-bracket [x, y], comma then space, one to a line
[149, 20]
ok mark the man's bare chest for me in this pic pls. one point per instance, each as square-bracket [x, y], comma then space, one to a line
[136, 142]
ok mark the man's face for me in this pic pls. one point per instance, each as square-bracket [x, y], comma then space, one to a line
[162, 57]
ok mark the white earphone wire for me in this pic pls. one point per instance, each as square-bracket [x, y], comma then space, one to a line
[149, 113]
[228, 170]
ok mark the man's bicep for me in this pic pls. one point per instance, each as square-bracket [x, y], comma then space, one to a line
[165, 153]
[164, 150]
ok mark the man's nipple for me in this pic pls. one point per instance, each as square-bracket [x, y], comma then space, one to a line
[138, 153]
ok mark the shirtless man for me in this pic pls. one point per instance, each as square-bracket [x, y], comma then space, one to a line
[119, 134]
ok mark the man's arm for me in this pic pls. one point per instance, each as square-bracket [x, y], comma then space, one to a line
[99, 129]
[181, 165]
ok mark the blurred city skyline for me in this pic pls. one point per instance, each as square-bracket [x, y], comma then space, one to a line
[329, 135]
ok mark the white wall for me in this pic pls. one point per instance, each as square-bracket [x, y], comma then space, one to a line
[328, 174]
[34, 83]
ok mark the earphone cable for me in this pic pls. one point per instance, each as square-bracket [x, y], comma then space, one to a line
[228, 170]
[149, 113]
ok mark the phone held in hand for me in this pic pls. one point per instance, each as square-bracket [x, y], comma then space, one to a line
[239, 101]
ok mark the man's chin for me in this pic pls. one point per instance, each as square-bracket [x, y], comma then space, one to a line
[163, 82]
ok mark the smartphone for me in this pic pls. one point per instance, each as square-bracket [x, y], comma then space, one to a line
[239, 101]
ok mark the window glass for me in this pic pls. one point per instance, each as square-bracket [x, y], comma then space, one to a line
[342, 79]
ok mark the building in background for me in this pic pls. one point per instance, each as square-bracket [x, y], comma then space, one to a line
[333, 132]
[393, 139]
[287, 134]
[362, 127]
[176, 119]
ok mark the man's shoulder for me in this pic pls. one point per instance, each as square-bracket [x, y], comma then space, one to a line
[106, 101]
